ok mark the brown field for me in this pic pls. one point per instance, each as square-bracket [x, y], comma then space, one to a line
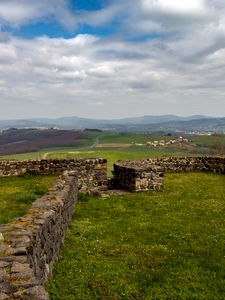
[13, 141]
[113, 145]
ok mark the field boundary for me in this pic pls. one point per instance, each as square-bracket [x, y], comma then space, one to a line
[147, 174]
[30, 245]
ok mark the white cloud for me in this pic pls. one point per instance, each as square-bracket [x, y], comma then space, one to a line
[175, 6]
[180, 71]
[20, 12]
[73, 77]
[17, 13]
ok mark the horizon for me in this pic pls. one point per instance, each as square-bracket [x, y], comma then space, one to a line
[115, 119]
[111, 59]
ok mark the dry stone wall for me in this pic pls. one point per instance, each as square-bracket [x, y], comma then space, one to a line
[30, 245]
[142, 175]
[91, 173]
[189, 164]
[134, 176]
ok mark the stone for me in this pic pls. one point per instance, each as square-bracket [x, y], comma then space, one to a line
[3, 248]
[1, 237]
[4, 264]
[3, 296]
[21, 268]
[7, 288]
[34, 293]
[105, 195]
[12, 258]
[3, 274]
[17, 251]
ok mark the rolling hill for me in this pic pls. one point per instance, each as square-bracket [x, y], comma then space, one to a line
[136, 124]
[14, 140]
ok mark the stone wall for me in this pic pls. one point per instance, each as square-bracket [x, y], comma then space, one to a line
[91, 173]
[133, 176]
[30, 245]
[189, 164]
[142, 175]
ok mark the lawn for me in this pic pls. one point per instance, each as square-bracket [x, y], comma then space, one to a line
[155, 245]
[17, 194]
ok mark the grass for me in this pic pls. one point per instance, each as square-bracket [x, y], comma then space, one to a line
[130, 138]
[17, 194]
[209, 140]
[112, 154]
[155, 245]
[201, 145]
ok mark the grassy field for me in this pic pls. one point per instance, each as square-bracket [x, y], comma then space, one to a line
[131, 138]
[17, 194]
[201, 145]
[155, 245]
[208, 140]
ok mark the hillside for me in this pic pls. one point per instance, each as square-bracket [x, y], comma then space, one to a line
[14, 140]
[136, 124]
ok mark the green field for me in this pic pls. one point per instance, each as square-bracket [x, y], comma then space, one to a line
[200, 145]
[17, 194]
[208, 140]
[131, 138]
[155, 245]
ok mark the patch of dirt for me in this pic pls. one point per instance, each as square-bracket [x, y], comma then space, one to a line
[77, 152]
[113, 145]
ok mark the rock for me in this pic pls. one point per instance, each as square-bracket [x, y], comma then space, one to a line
[3, 296]
[21, 268]
[1, 237]
[17, 251]
[7, 288]
[105, 195]
[4, 264]
[33, 293]
[3, 248]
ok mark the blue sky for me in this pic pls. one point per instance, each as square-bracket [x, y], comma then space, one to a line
[111, 58]
[50, 27]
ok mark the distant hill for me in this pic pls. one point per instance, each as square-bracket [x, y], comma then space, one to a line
[216, 125]
[139, 124]
[14, 140]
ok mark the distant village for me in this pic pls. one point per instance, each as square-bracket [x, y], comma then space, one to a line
[163, 143]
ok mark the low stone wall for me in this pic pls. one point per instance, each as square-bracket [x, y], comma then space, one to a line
[91, 173]
[133, 176]
[142, 175]
[30, 245]
[189, 164]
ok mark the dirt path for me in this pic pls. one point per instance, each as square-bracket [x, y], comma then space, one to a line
[113, 145]
[45, 155]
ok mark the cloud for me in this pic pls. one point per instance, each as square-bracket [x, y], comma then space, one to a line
[175, 6]
[51, 77]
[163, 57]
[17, 13]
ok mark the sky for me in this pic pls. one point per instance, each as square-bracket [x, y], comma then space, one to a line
[111, 58]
